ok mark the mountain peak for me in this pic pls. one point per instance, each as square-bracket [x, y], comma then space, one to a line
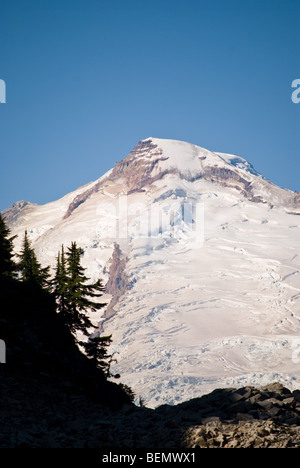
[154, 158]
[186, 158]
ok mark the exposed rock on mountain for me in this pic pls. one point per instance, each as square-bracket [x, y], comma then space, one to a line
[117, 284]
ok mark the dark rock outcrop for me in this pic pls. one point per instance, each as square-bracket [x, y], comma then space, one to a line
[117, 283]
[40, 414]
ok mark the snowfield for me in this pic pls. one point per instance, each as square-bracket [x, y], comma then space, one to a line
[210, 293]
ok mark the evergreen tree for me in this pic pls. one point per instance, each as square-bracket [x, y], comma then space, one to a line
[60, 284]
[78, 295]
[96, 350]
[7, 265]
[31, 270]
[130, 393]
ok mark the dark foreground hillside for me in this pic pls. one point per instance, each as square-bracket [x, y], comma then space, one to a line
[40, 415]
[52, 396]
[40, 348]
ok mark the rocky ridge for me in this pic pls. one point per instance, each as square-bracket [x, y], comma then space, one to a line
[39, 415]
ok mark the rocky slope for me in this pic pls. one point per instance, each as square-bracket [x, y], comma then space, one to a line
[41, 415]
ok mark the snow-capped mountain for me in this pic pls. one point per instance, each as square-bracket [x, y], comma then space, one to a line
[200, 256]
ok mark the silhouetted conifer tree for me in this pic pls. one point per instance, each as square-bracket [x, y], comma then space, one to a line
[74, 294]
[31, 270]
[8, 266]
[60, 284]
[96, 349]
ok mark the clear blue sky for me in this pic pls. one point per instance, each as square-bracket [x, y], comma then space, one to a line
[87, 79]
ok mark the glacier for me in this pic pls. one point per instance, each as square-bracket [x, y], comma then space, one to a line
[200, 255]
